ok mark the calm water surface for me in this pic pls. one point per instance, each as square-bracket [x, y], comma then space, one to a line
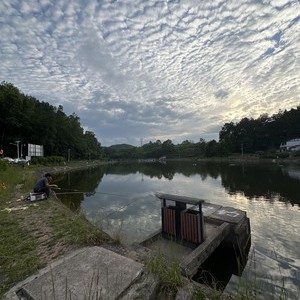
[120, 199]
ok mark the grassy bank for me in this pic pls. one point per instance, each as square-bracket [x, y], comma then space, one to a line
[34, 233]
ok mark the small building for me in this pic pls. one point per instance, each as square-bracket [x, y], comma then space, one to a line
[291, 145]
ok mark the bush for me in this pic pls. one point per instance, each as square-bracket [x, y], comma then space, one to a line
[297, 153]
[275, 155]
[3, 165]
[283, 154]
[48, 160]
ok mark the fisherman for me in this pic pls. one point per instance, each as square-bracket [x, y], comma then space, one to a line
[43, 185]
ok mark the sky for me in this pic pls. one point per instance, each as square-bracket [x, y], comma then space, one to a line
[136, 71]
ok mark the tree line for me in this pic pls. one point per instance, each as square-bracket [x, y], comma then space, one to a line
[261, 136]
[24, 118]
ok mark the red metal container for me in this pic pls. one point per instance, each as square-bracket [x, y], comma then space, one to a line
[169, 220]
[191, 227]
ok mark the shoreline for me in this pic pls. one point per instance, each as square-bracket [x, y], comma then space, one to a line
[56, 232]
[34, 234]
[53, 227]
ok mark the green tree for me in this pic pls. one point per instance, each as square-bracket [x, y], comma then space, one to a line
[28, 120]
[167, 148]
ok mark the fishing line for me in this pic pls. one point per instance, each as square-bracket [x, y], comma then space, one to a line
[122, 207]
[73, 191]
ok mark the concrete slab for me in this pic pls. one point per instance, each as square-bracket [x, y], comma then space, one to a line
[210, 229]
[209, 208]
[145, 288]
[169, 249]
[90, 273]
[228, 214]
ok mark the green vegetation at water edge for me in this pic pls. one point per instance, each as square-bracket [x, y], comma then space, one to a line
[18, 257]
[169, 274]
[34, 233]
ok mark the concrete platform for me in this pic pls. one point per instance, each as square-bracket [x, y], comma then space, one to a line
[193, 229]
[89, 273]
[191, 263]
[169, 248]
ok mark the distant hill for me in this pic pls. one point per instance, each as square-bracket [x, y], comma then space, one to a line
[120, 147]
[119, 151]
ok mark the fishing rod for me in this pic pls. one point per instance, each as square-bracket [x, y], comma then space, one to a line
[74, 191]
[71, 190]
[69, 193]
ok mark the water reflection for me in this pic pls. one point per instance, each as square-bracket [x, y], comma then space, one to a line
[268, 181]
[256, 181]
[75, 186]
[120, 199]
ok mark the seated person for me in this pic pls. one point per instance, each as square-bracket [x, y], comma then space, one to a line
[43, 185]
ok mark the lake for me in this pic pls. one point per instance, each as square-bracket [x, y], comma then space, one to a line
[120, 199]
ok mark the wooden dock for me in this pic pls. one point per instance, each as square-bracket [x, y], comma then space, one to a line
[192, 229]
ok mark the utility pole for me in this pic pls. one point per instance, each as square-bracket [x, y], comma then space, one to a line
[17, 144]
[242, 149]
[69, 150]
[22, 149]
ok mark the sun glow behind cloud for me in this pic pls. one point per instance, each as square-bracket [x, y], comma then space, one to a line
[154, 69]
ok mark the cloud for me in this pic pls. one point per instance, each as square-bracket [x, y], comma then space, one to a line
[221, 94]
[161, 69]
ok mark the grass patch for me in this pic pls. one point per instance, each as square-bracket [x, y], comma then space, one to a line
[18, 256]
[8, 180]
[75, 229]
[169, 274]
[31, 232]
[211, 295]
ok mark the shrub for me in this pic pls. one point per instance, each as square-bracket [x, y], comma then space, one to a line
[3, 165]
[275, 155]
[297, 153]
[48, 160]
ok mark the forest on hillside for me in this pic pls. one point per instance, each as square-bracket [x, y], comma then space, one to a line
[248, 136]
[24, 118]
[28, 120]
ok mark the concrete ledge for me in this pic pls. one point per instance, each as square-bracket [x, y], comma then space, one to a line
[89, 273]
[193, 261]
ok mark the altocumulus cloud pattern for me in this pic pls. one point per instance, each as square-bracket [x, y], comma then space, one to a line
[148, 69]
